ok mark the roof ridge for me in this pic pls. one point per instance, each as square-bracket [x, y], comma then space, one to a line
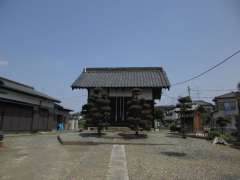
[21, 84]
[234, 93]
[111, 69]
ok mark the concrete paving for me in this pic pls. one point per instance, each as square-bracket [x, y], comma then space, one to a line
[118, 164]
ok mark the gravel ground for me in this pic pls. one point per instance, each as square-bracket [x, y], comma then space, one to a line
[41, 157]
[184, 159]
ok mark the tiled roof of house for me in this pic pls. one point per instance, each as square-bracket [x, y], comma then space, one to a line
[202, 103]
[165, 108]
[228, 95]
[122, 77]
[19, 87]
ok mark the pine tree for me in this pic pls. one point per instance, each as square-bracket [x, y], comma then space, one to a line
[147, 116]
[139, 112]
[134, 111]
[222, 122]
[97, 110]
[185, 105]
[105, 109]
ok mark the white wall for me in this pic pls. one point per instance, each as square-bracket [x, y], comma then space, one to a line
[146, 93]
[228, 114]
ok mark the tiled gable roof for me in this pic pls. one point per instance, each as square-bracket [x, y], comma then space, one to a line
[122, 77]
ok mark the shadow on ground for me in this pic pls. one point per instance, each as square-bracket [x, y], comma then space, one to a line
[235, 147]
[132, 136]
[95, 135]
[92, 138]
[174, 136]
[173, 154]
[125, 136]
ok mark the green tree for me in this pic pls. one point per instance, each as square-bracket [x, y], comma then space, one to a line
[106, 109]
[185, 103]
[134, 111]
[146, 115]
[97, 110]
[204, 116]
[139, 113]
[222, 122]
[158, 114]
[238, 126]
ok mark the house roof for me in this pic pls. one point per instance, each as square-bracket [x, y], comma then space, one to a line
[122, 77]
[228, 95]
[63, 108]
[202, 103]
[165, 108]
[19, 87]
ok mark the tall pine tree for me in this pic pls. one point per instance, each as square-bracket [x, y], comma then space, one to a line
[185, 103]
[139, 113]
[147, 116]
[97, 110]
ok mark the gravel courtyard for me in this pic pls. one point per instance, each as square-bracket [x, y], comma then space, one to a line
[185, 159]
[38, 157]
[41, 157]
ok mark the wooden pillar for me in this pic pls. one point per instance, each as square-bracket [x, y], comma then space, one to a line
[1, 117]
[116, 111]
[123, 109]
[120, 108]
[152, 113]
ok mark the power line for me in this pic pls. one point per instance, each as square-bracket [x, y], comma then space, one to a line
[210, 97]
[208, 70]
[221, 90]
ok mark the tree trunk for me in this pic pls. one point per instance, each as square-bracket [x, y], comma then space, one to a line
[99, 131]
[136, 133]
[137, 129]
[183, 127]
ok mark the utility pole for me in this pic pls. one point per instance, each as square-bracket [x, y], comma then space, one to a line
[189, 91]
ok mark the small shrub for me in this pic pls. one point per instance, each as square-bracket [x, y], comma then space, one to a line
[82, 124]
[228, 137]
[173, 127]
[213, 134]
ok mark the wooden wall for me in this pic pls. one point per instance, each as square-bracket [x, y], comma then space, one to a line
[15, 117]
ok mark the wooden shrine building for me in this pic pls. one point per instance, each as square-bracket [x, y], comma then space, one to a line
[119, 82]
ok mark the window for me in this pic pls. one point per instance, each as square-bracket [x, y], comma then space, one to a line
[230, 106]
[227, 106]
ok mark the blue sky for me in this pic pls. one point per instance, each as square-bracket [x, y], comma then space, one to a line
[47, 43]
